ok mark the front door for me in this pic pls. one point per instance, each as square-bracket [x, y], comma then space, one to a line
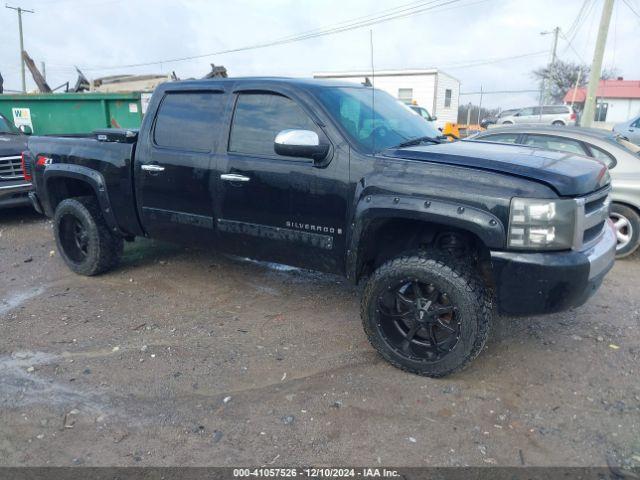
[276, 208]
[174, 172]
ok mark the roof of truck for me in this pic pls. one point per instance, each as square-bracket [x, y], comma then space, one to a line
[302, 82]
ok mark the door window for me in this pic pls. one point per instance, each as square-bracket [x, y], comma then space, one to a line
[555, 110]
[526, 112]
[259, 117]
[549, 142]
[636, 124]
[186, 120]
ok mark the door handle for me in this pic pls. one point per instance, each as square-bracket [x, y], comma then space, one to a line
[234, 177]
[152, 168]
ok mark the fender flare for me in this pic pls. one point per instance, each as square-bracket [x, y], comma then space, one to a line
[93, 178]
[486, 226]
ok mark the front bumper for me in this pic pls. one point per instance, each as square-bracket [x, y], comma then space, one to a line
[535, 283]
[14, 193]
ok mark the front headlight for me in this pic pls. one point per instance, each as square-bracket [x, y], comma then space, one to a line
[538, 224]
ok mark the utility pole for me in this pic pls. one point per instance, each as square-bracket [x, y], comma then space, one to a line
[20, 10]
[552, 64]
[480, 105]
[596, 65]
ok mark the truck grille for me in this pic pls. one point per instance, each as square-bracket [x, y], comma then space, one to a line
[10, 168]
[593, 212]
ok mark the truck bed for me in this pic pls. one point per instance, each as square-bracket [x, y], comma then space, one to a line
[112, 160]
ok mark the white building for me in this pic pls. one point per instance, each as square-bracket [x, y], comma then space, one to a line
[616, 100]
[432, 89]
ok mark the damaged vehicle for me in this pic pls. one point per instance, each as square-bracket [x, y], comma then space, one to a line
[340, 178]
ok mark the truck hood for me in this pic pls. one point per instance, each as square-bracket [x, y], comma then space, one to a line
[11, 145]
[566, 173]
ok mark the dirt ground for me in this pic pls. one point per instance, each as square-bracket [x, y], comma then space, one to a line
[182, 357]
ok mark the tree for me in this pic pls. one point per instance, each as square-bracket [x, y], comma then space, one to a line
[463, 109]
[563, 76]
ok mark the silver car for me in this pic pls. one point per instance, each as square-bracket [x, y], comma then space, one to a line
[629, 129]
[558, 115]
[621, 156]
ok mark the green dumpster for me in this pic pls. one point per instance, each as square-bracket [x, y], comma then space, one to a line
[73, 113]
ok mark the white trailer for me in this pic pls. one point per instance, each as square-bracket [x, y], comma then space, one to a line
[432, 89]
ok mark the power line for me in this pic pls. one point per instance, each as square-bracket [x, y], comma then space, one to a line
[477, 63]
[633, 10]
[485, 92]
[353, 24]
[570, 45]
[577, 22]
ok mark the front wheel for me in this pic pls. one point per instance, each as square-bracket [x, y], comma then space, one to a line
[427, 314]
[83, 238]
[627, 224]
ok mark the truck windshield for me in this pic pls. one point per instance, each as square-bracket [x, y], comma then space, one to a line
[6, 127]
[391, 124]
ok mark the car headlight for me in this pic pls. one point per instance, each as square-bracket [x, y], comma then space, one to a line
[539, 224]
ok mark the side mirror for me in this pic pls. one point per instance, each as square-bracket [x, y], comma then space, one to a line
[517, 114]
[300, 143]
[26, 129]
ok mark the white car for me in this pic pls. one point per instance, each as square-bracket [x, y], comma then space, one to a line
[547, 115]
[629, 129]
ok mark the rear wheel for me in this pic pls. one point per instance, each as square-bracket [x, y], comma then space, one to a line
[427, 314]
[627, 224]
[83, 238]
[558, 123]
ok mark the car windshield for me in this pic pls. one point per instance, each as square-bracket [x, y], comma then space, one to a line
[632, 147]
[6, 127]
[392, 122]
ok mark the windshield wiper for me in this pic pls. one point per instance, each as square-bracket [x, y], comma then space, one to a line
[417, 141]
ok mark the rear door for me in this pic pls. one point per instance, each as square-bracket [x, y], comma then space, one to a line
[174, 164]
[277, 208]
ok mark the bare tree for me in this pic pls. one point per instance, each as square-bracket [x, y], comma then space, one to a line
[562, 77]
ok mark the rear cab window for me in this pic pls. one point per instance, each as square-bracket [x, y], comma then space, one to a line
[187, 120]
[259, 117]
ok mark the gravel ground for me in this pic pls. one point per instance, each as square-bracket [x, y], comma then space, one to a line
[182, 357]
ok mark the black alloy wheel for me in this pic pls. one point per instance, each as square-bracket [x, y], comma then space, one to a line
[74, 238]
[418, 321]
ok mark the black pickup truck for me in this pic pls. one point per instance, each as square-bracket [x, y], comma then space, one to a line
[344, 179]
[14, 186]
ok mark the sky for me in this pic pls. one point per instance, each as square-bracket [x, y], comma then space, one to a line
[468, 39]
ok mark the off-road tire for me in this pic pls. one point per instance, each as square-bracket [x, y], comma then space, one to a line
[466, 290]
[104, 248]
[633, 218]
